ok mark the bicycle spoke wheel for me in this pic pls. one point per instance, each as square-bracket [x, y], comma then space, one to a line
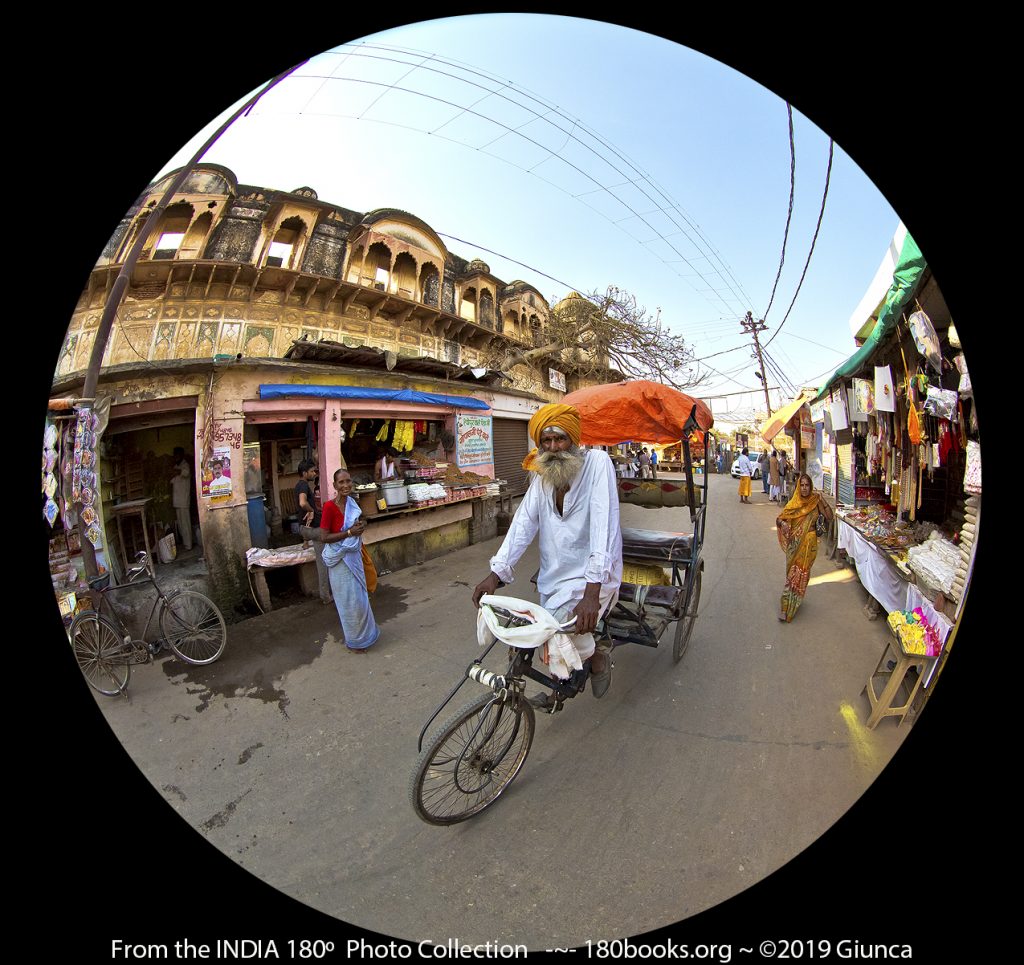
[684, 625]
[193, 627]
[101, 653]
[474, 757]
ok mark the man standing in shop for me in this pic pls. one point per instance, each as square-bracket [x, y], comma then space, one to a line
[181, 496]
[309, 528]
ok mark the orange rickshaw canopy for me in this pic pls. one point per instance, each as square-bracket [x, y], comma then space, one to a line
[637, 411]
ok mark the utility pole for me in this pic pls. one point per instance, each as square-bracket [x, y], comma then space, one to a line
[750, 327]
[120, 287]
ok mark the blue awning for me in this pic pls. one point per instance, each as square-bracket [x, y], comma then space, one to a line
[365, 392]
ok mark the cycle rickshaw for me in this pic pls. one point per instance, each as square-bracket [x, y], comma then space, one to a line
[478, 752]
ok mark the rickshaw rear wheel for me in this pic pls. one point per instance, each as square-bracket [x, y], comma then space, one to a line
[684, 625]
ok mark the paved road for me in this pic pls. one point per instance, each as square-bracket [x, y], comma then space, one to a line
[685, 785]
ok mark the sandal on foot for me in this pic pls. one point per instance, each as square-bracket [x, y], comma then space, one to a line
[600, 681]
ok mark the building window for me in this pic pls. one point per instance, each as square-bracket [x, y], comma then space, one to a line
[279, 254]
[168, 245]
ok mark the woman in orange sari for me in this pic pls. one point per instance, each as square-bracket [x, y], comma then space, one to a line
[797, 536]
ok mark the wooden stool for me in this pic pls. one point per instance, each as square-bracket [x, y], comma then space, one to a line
[122, 511]
[882, 704]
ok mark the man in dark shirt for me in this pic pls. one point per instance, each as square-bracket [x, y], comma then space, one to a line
[309, 526]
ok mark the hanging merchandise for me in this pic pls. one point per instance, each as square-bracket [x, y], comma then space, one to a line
[857, 413]
[382, 436]
[965, 377]
[404, 437]
[913, 423]
[50, 511]
[864, 392]
[972, 474]
[951, 335]
[838, 410]
[925, 339]
[940, 403]
[885, 396]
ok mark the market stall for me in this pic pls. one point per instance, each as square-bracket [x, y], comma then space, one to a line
[70, 440]
[900, 454]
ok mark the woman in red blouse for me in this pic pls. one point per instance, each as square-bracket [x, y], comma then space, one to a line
[341, 530]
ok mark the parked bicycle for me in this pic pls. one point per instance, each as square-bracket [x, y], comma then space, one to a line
[192, 625]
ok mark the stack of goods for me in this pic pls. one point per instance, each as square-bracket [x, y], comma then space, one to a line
[454, 477]
[426, 472]
[935, 563]
[494, 488]
[915, 633]
[427, 494]
[63, 573]
[968, 532]
[879, 525]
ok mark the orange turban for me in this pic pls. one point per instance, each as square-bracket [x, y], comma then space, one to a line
[553, 416]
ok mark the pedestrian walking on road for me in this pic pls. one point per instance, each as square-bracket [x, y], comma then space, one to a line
[645, 464]
[342, 532]
[773, 477]
[745, 471]
[763, 461]
[796, 529]
[783, 475]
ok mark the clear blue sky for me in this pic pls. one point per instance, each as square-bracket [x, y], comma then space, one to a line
[683, 128]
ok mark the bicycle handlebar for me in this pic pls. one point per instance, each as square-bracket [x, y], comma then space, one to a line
[515, 621]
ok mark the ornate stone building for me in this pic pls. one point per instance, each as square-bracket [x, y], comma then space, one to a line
[237, 269]
[258, 323]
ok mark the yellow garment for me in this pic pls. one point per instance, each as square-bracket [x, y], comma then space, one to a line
[404, 436]
[553, 416]
[797, 536]
[383, 434]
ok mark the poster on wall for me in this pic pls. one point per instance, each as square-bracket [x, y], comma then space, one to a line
[556, 380]
[217, 472]
[474, 441]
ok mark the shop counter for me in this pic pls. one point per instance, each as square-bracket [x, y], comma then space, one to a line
[876, 569]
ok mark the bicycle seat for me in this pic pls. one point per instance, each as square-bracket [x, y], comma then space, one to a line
[649, 544]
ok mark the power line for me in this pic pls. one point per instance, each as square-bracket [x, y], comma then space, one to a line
[724, 271]
[792, 195]
[821, 214]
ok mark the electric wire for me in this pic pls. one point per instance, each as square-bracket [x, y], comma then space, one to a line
[821, 215]
[789, 216]
[722, 271]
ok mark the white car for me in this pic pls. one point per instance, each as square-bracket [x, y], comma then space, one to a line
[755, 469]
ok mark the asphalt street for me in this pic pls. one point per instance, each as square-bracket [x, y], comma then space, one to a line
[682, 787]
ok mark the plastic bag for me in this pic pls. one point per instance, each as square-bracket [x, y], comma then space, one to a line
[166, 548]
[925, 339]
[940, 402]
[914, 425]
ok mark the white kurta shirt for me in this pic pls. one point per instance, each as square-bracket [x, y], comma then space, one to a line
[580, 545]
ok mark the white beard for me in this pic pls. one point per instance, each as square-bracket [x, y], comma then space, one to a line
[560, 469]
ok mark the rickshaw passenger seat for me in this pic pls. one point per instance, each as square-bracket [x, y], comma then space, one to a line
[649, 544]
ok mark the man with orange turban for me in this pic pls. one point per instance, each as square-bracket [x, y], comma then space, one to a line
[572, 506]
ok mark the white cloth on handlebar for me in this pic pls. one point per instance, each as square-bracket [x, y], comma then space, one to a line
[564, 651]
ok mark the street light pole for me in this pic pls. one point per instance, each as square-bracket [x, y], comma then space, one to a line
[120, 286]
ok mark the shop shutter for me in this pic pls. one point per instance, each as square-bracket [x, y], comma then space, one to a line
[844, 470]
[511, 445]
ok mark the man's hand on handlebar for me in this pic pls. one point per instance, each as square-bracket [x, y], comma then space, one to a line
[485, 586]
[588, 610]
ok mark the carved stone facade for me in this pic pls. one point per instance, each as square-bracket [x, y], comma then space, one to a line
[235, 269]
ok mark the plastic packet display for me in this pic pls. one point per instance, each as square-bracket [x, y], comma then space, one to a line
[941, 402]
